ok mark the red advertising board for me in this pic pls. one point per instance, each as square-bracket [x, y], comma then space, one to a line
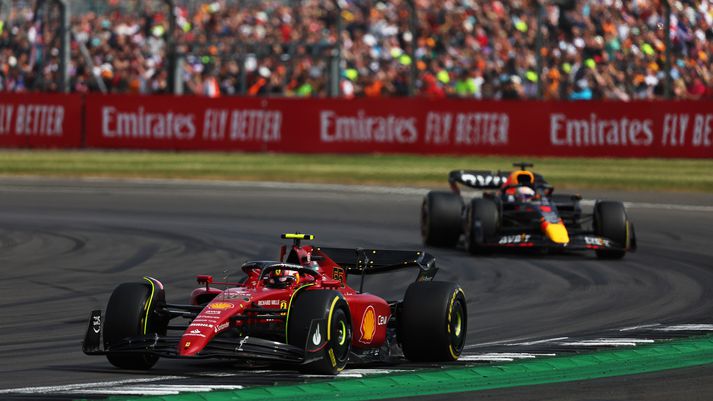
[196, 123]
[607, 129]
[40, 120]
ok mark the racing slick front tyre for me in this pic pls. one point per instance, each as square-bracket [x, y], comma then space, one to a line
[330, 306]
[610, 221]
[482, 222]
[432, 322]
[130, 312]
[441, 218]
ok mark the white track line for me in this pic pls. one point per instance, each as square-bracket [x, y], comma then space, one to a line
[643, 326]
[687, 327]
[80, 386]
[548, 340]
[608, 342]
[491, 343]
[157, 389]
[499, 357]
[216, 374]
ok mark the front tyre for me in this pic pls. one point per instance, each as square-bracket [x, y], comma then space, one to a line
[441, 218]
[129, 313]
[482, 223]
[433, 322]
[331, 307]
[611, 222]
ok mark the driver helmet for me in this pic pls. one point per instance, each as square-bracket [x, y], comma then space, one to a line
[281, 279]
[524, 193]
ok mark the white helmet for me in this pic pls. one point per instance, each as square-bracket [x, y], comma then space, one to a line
[524, 193]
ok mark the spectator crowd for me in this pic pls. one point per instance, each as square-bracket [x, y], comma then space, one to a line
[591, 49]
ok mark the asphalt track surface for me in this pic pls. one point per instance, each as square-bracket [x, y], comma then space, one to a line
[64, 245]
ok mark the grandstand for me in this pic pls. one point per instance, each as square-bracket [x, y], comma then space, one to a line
[589, 49]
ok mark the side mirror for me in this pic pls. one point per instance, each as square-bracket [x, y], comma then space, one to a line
[204, 279]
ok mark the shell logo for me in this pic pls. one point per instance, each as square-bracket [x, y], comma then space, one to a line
[368, 325]
[220, 305]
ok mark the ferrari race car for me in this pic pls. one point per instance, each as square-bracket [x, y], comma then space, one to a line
[297, 310]
[520, 210]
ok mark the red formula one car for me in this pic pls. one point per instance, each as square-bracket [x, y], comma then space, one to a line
[297, 310]
[518, 210]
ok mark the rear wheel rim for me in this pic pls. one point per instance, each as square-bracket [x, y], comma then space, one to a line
[342, 337]
[341, 333]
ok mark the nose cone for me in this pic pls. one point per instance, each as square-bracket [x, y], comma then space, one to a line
[556, 232]
[213, 319]
[190, 346]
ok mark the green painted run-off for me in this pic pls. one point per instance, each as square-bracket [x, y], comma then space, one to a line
[659, 356]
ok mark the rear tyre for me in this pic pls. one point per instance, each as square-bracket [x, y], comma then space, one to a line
[332, 307]
[433, 322]
[481, 224]
[129, 313]
[610, 221]
[441, 218]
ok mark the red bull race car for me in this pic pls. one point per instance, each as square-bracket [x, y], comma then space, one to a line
[297, 310]
[518, 209]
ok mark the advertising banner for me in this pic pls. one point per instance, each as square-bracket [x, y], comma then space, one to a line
[40, 120]
[384, 125]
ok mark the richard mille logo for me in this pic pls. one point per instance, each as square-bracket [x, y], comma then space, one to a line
[240, 346]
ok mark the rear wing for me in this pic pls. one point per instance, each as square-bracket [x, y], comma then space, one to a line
[478, 179]
[374, 261]
[483, 179]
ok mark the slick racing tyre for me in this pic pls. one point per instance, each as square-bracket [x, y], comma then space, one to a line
[610, 221]
[481, 224]
[441, 218]
[131, 312]
[432, 322]
[330, 307]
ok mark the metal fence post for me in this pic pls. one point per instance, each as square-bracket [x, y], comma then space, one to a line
[336, 61]
[63, 78]
[412, 26]
[171, 55]
[243, 74]
[668, 83]
[538, 48]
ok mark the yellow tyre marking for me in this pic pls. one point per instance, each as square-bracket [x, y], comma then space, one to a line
[329, 319]
[147, 306]
[332, 358]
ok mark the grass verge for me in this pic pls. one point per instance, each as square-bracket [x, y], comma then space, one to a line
[401, 170]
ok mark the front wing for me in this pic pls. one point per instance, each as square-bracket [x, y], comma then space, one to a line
[577, 242]
[166, 346]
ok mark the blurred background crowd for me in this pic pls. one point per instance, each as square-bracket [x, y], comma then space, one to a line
[591, 49]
